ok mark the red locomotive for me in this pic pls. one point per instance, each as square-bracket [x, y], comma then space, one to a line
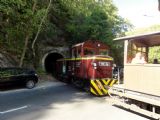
[90, 67]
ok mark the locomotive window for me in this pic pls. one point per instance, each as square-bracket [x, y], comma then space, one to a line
[79, 52]
[73, 53]
[103, 52]
[89, 52]
[76, 52]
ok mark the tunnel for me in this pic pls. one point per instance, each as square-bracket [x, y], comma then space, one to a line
[50, 62]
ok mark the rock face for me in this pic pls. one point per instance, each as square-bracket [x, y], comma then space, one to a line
[7, 61]
[47, 53]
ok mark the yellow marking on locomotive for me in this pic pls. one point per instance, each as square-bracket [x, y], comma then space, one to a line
[106, 81]
[99, 88]
[86, 58]
[96, 87]
[92, 91]
[102, 86]
[111, 84]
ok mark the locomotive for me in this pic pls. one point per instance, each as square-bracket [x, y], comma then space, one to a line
[90, 67]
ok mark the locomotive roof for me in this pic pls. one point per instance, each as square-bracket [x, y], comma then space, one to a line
[91, 42]
[149, 39]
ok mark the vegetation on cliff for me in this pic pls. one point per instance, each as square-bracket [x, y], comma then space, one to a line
[26, 24]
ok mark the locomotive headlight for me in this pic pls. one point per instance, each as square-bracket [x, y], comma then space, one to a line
[94, 65]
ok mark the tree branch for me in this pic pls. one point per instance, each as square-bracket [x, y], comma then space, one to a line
[39, 28]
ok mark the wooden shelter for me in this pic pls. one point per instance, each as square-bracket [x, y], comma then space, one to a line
[141, 77]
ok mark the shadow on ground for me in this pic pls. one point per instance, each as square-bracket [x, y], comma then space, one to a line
[41, 101]
[12, 86]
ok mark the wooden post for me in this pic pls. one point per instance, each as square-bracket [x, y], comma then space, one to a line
[125, 51]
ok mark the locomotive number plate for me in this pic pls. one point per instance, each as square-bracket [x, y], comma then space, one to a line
[104, 63]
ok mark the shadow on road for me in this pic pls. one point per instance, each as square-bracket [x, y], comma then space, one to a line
[15, 86]
[10, 87]
[41, 101]
[134, 112]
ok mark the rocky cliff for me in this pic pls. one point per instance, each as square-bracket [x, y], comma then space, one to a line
[7, 61]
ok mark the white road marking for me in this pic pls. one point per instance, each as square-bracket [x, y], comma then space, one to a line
[14, 109]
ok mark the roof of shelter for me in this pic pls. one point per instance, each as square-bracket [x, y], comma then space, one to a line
[149, 39]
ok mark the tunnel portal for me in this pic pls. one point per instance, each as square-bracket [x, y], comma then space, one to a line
[50, 62]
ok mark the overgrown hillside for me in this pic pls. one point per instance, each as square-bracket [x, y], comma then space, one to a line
[25, 25]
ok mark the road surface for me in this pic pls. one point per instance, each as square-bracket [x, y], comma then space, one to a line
[59, 101]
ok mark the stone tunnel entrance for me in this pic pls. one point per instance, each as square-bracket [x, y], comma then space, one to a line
[50, 62]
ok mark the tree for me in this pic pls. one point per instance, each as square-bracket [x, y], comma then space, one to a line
[20, 20]
[95, 20]
[40, 25]
[144, 30]
[25, 25]
[98, 20]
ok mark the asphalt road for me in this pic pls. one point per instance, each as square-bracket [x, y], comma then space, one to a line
[58, 101]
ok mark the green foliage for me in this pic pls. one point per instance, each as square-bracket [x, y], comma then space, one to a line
[19, 18]
[154, 53]
[152, 28]
[72, 20]
[95, 20]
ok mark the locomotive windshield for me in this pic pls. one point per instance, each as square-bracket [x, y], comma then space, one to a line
[93, 52]
[103, 52]
[89, 51]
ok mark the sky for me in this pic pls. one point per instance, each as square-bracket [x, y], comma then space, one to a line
[141, 13]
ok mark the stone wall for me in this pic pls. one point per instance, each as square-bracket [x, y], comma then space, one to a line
[8, 60]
